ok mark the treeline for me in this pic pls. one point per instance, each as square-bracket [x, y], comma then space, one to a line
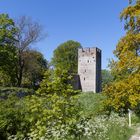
[20, 65]
[23, 66]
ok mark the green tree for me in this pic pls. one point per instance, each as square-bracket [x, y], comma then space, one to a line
[34, 67]
[15, 55]
[8, 51]
[4, 79]
[106, 77]
[57, 82]
[66, 56]
[124, 92]
[29, 33]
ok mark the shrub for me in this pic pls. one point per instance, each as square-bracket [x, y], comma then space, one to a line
[50, 114]
[105, 127]
[20, 92]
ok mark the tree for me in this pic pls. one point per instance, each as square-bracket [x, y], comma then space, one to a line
[8, 50]
[106, 77]
[66, 56]
[34, 67]
[124, 92]
[57, 82]
[5, 79]
[29, 33]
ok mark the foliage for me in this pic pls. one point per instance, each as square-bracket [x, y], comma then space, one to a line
[127, 93]
[29, 33]
[124, 92]
[17, 61]
[131, 16]
[66, 56]
[19, 92]
[34, 67]
[135, 119]
[101, 127]
[52, 116]
[41, 115]
[96, 124]
[12, 115]
[107, 77]
[8, 50]
[57, 82]
[4, 79]
[91, 104]
[118, 128]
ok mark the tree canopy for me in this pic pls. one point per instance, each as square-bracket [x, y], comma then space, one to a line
[34, 67]
[66, 56]
[19, 64]
[107, 77]
[29, 33]
[8, 50]
[124, 92]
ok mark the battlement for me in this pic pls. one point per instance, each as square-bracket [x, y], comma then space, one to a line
[88, 51]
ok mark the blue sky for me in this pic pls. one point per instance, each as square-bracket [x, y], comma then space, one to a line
[93, 23]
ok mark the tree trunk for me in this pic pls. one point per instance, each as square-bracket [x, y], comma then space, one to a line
[20, 69]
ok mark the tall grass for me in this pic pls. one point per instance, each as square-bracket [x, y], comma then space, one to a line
[91, 103]
[101, 126]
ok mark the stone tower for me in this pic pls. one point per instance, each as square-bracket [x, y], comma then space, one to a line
[89, 69]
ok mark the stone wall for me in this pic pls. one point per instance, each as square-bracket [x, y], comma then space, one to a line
[89, 69]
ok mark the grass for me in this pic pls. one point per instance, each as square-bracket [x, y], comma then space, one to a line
[118, 133]
[91, 103]
[92, 106]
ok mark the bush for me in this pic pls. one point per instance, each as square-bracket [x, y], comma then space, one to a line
[105, 127]
[50, 117]
[20, 92]
[51, 113]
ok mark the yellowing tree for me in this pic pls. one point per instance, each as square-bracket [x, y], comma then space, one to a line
[124, 92]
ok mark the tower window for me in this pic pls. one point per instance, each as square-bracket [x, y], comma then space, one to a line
[84, 78]
[88, 61]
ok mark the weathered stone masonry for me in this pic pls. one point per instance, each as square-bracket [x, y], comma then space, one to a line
[89, 69]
